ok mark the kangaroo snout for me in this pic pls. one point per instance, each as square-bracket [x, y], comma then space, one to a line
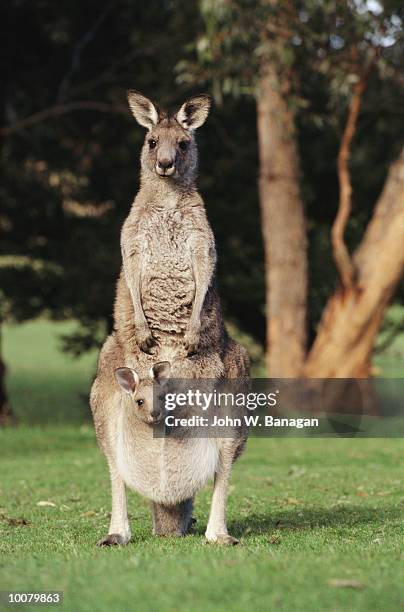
[165, 167]
[156, 415]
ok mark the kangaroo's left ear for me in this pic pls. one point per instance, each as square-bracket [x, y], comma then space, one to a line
[160, 372]
[194, 111]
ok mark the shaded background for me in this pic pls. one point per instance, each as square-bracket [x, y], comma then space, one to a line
[70, 164]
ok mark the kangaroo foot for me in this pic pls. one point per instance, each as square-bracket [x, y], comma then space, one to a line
[220, 538]
[226, 539]
[112, 539]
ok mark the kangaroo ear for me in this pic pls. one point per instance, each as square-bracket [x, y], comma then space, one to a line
[128, 379]
[160, 372]
[194, 111]
[143, 109]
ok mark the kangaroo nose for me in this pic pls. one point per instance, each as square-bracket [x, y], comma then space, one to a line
[165, 164]
[155, 414]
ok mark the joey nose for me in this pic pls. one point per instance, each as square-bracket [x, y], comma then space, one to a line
[165, 164]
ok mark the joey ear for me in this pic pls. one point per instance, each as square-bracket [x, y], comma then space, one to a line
[128, 379]
[143, 109]
[194, 111]
[160, 372]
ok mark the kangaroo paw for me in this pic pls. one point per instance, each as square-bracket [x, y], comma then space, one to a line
[191, 341]
[144, 339]
[223, 539]
[147, 345]
[112, 539]
[226, 539]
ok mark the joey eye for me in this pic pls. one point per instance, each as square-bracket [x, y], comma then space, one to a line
[140, 402]
[183, 145]
[152, 143]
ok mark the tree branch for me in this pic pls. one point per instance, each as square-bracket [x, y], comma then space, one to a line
[57, 111]
[341, 255]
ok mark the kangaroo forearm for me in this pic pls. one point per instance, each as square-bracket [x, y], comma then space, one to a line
[203, 269]
[131, 269]
[200, 294]
[133, 282]
[142, 334]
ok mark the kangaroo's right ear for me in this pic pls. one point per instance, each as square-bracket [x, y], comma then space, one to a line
[128, 379]
[143, 109]
[194, 111]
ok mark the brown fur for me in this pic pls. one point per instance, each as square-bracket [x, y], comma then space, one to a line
[166, 309]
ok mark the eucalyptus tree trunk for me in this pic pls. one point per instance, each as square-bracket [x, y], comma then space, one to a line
[283, 228]
[352, 317]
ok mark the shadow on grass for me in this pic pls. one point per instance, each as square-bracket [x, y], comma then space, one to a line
[285, 521]
[300, 519]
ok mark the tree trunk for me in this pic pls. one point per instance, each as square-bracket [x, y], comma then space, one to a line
[283, 228]
[350, 322]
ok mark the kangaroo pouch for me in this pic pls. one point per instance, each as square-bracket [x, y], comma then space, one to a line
[165, 470]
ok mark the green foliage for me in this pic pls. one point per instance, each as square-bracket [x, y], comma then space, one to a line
[330, 38]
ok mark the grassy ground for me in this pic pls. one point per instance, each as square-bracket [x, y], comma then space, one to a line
[308, 513]
[44, 384]
[390, 362]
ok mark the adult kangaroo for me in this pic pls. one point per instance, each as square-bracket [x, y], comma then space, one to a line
[167, 293]
[167, 310]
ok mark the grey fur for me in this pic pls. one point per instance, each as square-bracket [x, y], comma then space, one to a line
[167, 309]
[172, 520]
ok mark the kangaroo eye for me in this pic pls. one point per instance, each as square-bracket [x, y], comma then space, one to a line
[140, 402]
[152, 143]
[183, 145]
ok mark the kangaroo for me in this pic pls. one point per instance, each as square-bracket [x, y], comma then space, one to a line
[167, 292]
[167, 309]
[167, 470]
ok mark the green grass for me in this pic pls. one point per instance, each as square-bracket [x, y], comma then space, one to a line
[44, 384]
[390, 363]
[307, 511]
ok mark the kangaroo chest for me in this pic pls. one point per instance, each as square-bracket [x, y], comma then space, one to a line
[167, 279]
[162, 469]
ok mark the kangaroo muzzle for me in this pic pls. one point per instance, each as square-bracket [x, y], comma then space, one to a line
[165, 167]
